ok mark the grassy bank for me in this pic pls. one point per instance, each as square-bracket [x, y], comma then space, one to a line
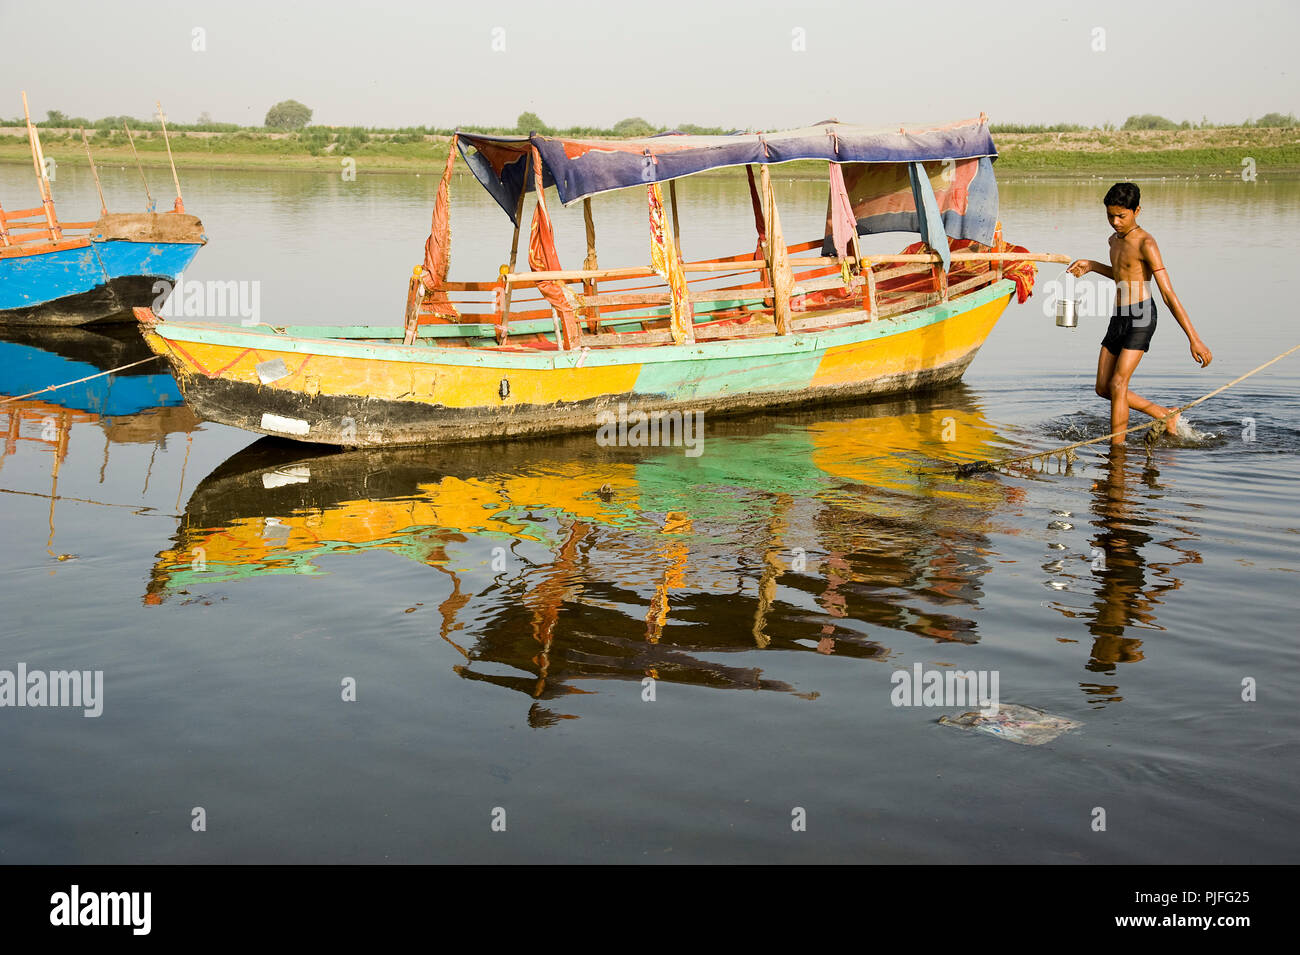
[1214, 152]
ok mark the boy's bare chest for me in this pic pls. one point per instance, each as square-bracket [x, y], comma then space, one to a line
[1126, 258]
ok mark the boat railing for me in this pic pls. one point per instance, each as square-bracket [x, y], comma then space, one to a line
[732, 298]
[25, 226]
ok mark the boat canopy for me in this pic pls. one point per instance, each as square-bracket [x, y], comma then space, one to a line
[581, 168]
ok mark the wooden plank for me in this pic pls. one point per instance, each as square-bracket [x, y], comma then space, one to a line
[626, 339]
[966, 285]
[634, 272]
[930, 257]
[414, 298]
[728, 332]
[913, 302]
[821, 285]
[887, 274]
[45, 236]
[819, 322]
[665, 298]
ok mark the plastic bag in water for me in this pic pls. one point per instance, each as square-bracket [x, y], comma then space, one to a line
[1018, 724]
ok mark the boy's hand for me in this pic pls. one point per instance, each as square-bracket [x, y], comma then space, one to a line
[1079, 267]
[1201, 353]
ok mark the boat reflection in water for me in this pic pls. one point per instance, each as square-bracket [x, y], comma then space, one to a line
[140, 405]
[570, 562]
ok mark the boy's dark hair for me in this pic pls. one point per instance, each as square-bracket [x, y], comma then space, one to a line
[1126, 195]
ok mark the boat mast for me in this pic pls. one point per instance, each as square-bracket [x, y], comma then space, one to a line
[677, 230]
[514, 243]
[775, 253]
[162, 118]
[131, 140]
[94, 172]
[589, 284]
[38, 160]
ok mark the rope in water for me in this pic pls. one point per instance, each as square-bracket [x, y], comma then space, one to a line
[1067, 452]
[111, 371]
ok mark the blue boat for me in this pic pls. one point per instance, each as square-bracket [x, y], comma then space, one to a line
[122, 261]
[54, 273]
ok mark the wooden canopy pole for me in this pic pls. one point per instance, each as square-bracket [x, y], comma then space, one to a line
[38, 160]
[677, 229]
[514, 243]
[776, 255]
[131, 139]
[589, 285]
[162, 118]
[103, 207]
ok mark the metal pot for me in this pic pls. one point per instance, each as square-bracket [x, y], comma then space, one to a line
[1067, 313]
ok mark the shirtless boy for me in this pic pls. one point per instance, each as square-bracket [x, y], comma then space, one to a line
[1134, 259]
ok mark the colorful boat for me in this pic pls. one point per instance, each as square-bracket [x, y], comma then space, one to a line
[550, 350]
[77, 273]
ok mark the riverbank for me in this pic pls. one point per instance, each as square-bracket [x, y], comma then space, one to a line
[1210, 153]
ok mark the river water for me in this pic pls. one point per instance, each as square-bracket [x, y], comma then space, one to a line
[565, 652]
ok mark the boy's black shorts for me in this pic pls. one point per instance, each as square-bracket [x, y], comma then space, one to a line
[1131, 327]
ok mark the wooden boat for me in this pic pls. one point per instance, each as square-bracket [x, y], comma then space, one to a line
[77, 273]
[550, 350]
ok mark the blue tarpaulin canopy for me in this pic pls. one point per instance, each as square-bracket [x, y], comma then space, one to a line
[579, 168]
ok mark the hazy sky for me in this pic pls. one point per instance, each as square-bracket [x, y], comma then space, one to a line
[574, 62]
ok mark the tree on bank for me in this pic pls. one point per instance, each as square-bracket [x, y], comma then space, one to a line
[289, 114]
[1276, 120]
[531, 123]
[1149, 121]
[634, 126]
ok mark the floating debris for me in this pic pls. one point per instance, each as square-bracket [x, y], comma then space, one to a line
[1026, 725]
[1060, 526]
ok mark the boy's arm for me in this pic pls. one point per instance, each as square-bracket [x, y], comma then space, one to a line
[1081, 267]
[1151, 253]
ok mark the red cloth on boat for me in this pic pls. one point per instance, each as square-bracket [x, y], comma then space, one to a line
[542, 257]
[844, 226]
[437, 248]
[1022, 273]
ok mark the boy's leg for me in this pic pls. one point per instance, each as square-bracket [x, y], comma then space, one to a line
[1105, 369]
[1122, 399]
